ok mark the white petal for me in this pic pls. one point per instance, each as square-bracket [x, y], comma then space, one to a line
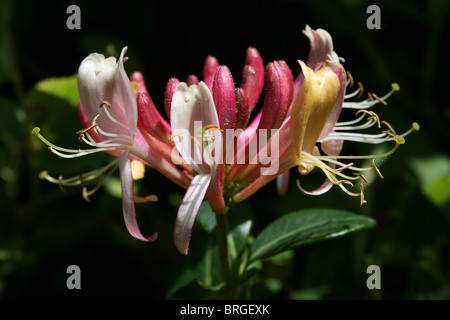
[188, 211]
[101, 79]
[129, 213]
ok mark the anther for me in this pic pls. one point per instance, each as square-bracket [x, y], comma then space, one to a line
[362, 195]
[372, 114]
[341, 59]
[60, 183]
[85, 194]
[212, 127]
[104, 102]
[361, 90]
[370, 96]
[351, 78]
[175, 135]
[196, 141]
[344, 167]
[391, 129]
[207, 136]
[148, 198]
[362, 176]
[81, 132]
[376, 169]
[379, 99]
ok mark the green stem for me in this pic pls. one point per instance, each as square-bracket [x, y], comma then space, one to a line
[224, 253]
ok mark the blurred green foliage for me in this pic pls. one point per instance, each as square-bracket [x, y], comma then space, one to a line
[43, 230]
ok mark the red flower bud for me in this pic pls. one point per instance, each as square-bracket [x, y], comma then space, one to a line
[209, 70]
[170, 89]
[224, 97]
[253, 76]
[150, 119]
[279, 95]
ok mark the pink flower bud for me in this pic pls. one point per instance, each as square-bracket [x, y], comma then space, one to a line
[224, 97]
[279, 95]
[242, 109]
[138, 78]
[253, 76]
[170, 89]
[192, 79]
[150, 119]
[209, 70]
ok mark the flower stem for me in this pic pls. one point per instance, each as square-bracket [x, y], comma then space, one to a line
[224, 253]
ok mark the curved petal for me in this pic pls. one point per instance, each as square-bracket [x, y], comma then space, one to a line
[129, 214]
[339, 70]
[283, 183]
[325, 187]
[188, 211]
[101, 79]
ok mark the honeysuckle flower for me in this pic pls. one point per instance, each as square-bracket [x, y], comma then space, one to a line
[312, 123]
[108, 109]
[194, 120]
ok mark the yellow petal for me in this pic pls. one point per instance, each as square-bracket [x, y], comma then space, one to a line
[312, 107]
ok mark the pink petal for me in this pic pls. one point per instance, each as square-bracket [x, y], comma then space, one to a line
[170, 89]
[224, 97]
[209, 70]
[253, 76]
[188, 211]
[129, 213]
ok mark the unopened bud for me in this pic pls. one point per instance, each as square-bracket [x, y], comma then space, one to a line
[170, 89]
[150, 119]
[209, 71]
[242, 109]
[192, 79]
[224, 97]
[279, 95]
[253, 76]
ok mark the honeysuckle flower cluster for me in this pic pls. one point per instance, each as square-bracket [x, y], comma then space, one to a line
[215, 145]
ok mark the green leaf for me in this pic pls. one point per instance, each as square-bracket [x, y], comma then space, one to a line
[65, 88]
[206, 218]
[304, 227]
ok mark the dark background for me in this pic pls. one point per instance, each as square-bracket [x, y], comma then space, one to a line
[44, 230]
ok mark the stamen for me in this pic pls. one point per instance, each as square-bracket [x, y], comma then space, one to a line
[376, 169]
[379, 99]
[341, 59]
[362, 195]
[60, 179]
[175, 135]
[362, 176]
[86, 195]
[370, 96]
[351, 79]
[207, 136]
[92, 126]
[196, 141]
[361, 88]
[372, 114]
[212, 127]
[151, 197]
[104, 102]
[344, 167]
